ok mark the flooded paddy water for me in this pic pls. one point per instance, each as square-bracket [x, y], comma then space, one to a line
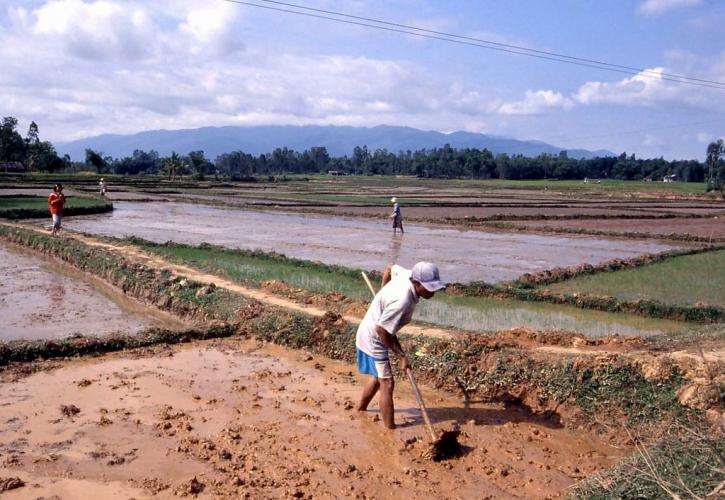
[44, 299]
[462, 255]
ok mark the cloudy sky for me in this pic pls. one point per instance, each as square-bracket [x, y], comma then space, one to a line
[83, 67]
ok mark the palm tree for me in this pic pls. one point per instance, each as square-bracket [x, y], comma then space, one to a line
[172, 165]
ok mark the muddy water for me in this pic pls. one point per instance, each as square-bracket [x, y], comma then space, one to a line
[483, 314]
[462, 255]
[254, 421]
[41, 299]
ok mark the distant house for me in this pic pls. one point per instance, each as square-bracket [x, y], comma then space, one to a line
[11, 166]
[669, 178]
[335, 172]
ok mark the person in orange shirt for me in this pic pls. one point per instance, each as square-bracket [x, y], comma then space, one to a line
[56, 201]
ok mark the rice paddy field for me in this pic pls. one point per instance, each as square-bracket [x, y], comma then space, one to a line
[571, 374]
[688, 279]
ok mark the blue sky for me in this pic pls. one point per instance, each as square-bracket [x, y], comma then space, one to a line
[81, 68]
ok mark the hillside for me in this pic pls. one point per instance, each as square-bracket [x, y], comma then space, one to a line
[339, 141]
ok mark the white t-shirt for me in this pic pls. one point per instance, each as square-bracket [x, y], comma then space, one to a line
[392, 309]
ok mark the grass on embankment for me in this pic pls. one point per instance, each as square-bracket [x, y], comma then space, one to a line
[31, 207]
[251, 268]
[686, 464]
[683, 280]
[475, 314]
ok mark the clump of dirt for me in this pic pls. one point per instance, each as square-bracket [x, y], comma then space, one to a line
[657, 368]
[10, 483]
[191, 487]
[153, 485]
[69, 410]
[250, 311]
[279, 288]
[699, 396]
[172, 421]
[329, 324]
[445, 447]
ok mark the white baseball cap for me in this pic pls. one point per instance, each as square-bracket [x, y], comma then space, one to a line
[427, 275]
[393, 199]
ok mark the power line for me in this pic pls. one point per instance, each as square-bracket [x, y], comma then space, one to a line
[491, 42]
[478, 42]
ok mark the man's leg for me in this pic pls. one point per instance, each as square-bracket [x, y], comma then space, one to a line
[386, 402]
[369, 391]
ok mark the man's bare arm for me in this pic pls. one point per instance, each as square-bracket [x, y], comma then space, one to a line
[387, 275]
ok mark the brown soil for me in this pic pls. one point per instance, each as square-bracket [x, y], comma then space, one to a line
[706, 228]
[433, 213]
[239, 419]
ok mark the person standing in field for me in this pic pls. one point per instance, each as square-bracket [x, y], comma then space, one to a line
[102, 186]
[396, 216]
[391, 309]
[56, 202]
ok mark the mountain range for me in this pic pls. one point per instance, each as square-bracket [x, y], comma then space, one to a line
[339, 141]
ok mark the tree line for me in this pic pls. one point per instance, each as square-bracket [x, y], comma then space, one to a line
[443, 162]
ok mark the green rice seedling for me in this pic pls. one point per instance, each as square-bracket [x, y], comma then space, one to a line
[482, 314]
[682, 280]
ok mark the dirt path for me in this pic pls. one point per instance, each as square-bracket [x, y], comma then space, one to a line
[253, 421]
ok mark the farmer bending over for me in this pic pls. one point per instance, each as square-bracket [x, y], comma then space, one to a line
[391, 309]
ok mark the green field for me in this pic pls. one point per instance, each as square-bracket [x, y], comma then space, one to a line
[42, 203]
[252, 268]
[684, 280]
[577, 186]
[19, 207]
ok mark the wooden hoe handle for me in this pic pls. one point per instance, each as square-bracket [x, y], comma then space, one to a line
[421, 404]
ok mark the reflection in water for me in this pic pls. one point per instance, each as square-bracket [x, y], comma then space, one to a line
[42, 299]
[395, 244]
[56, 291]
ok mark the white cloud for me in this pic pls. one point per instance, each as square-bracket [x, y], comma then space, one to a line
[94, 30]
[654, 7]
[215, 26]
[643, 89]
[537, 102]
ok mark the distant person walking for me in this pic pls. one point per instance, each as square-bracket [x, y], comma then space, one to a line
[56, 202]
[397, 217]
[102, 186]
[391, 309]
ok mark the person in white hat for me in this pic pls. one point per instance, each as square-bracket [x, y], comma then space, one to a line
[397, 218]
[391, 309]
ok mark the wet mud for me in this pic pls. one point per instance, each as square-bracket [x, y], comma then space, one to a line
[462, 255]
[41, 298]
[238, 419]
[711, 227]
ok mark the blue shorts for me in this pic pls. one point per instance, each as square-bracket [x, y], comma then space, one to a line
[367, 365]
